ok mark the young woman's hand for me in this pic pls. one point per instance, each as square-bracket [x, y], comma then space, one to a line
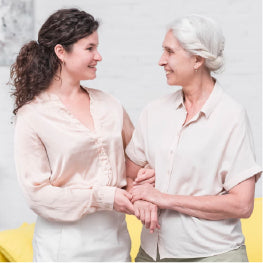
[122, 202]
[145, 175]
[147, 213]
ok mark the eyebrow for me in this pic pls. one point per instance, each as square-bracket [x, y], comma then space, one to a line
[92, 44]
[170, 48]
[166, 47]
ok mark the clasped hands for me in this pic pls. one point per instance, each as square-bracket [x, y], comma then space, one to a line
[139, 200]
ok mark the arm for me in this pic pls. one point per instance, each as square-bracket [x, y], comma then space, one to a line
[237, 203]
[135, 173]
[67, 203]
[144, 211]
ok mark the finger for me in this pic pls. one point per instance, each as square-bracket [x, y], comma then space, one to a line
[147, 219]
[144, 176]
[151, 181]
[130, 211]
[142, 216]
[128, 207]
[128, 195]
[141, 172]
[141, 175]
[135, 198]
[154, 220]
[137, 212]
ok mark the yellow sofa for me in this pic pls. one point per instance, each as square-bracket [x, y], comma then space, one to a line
[16, 244]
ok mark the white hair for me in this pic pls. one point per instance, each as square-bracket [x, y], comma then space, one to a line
[201, 36]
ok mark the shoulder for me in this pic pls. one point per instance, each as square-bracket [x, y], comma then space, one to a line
[163, 103]
[231, 107]
[27, 111]
[103, 96]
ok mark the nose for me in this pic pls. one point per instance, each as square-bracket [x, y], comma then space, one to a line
[98, 56]
[163, 60]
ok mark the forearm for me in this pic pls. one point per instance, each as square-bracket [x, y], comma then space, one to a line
[132, 170]
[206, 207]
[129, 183]
[237, 203]
[69, 204]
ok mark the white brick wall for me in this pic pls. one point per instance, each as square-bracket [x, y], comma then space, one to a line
[131, 35]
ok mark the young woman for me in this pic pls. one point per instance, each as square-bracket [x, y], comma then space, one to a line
[69, 145]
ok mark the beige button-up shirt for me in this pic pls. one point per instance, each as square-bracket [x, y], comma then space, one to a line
[68, 172]
[209, 155]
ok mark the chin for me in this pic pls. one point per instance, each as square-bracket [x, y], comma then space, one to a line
[171, 83]
[90, 77]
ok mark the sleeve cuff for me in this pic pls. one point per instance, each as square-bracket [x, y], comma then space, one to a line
[104, 197]
[132, 156]
[255, 171]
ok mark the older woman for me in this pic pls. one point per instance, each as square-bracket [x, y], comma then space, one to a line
[198, 140]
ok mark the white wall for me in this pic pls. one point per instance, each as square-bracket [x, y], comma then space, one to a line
[131, 35]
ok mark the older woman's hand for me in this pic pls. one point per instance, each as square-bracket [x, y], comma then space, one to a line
[147, 213]
[145, 175]
[145, 192]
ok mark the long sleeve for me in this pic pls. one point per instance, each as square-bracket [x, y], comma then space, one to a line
[65, 203]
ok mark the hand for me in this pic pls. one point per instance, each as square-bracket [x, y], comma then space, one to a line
[146, 192]
[147, 213]
[145, 175]
[122, 202]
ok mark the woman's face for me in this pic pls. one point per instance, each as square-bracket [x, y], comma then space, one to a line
[81, 61]
[178, 64]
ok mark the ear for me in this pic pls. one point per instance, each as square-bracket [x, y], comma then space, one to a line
[199, 61]
[60, 52]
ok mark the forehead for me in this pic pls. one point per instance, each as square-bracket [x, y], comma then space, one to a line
[170, 41]
[91, 39]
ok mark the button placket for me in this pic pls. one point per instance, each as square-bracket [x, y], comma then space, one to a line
[103, 158]
[173, 150]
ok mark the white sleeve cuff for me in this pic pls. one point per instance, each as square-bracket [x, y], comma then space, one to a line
[104, 197]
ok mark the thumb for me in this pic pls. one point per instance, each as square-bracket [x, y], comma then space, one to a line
[128, 195]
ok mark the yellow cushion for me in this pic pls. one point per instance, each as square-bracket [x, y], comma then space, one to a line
[2, 258]
[252, 229]
[134, 227]
[16, 244]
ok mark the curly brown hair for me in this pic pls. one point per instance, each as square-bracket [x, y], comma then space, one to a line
[37, 63]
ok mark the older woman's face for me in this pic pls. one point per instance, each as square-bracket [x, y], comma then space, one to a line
[178, 64]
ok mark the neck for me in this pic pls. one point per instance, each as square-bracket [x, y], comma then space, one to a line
[196, 94]
[64, 87]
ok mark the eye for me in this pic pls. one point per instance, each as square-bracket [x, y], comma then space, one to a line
[169, 51]
[90, 48]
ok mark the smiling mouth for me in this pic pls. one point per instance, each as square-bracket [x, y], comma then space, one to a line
[92, 67]
[168, 72]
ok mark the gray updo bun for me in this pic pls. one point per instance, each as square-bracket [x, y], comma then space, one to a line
[201, 36]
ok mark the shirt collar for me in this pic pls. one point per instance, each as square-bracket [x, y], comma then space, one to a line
[212, 100]
[209, 105]
[179, 100]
